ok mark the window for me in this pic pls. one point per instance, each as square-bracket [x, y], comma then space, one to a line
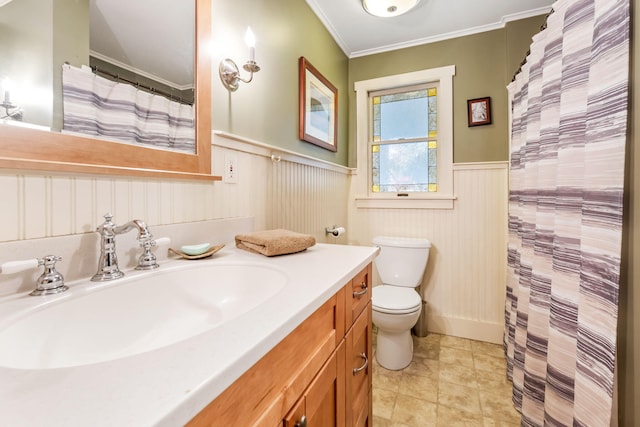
[405, 140]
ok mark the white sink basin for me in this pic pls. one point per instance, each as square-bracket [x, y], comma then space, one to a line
[135, 314]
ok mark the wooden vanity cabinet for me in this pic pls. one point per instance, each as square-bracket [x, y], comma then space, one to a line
[359, 351]
[308, 379]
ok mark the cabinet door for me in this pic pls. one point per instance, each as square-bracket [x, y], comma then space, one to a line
[359, 371]
[322, 404]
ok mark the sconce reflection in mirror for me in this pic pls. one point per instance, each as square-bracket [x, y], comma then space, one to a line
[229, 73]
[11, 111]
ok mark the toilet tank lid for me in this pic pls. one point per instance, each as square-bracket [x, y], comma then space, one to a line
[401, 242]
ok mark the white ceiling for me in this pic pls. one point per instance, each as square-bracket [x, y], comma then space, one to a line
[359, 33]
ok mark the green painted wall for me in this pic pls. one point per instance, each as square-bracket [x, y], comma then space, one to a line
[267, 108]
[481, 62]
[518, 39]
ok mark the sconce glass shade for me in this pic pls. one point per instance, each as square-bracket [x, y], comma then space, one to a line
[388, 8]
[3, 2]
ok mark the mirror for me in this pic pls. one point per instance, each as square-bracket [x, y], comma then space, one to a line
[24, 147]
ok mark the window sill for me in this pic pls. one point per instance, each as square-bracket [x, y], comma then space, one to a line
[436, 202]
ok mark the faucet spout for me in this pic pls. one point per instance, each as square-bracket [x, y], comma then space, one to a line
[136, 224]
[108, 261]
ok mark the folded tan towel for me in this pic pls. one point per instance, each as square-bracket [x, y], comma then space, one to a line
[274, 242]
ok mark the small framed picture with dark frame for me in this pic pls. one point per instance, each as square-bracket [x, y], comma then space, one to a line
[479, 111]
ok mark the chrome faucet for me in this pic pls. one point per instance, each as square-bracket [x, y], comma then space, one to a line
[108, 261]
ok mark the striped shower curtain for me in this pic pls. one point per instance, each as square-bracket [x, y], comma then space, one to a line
[100, 107]
[568, 133]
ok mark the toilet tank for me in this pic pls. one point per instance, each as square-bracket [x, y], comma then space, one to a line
[402, 260]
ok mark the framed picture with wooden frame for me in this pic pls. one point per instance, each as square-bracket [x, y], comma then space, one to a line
[479, 111]
[318, 107]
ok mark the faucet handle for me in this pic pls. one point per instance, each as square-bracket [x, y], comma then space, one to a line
[11, 267]
[49, 282]
[148, 260]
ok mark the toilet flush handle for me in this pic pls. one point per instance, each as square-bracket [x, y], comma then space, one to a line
[362, 291]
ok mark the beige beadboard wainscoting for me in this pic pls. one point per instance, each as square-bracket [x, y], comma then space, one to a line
[45, 205]
[464, 283]
[287, 191]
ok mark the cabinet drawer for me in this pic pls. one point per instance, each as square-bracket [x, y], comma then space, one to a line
[264, 393]
[358, 295]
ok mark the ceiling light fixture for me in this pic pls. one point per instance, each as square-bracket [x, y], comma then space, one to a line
[388, 8]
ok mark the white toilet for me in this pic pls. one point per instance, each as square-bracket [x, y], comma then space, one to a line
[396, 303]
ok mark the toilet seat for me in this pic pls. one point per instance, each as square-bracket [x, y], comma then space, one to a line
[395, 299]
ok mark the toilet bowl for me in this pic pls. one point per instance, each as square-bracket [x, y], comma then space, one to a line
[396, 304]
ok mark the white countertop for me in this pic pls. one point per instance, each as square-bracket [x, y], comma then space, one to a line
[170, 385]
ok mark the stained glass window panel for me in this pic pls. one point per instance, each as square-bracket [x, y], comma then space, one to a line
[433, 159]
[433, 104]
[433, 175]
[398, 166]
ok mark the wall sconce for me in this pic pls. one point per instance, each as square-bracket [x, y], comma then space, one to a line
[7, 104]
[229, 73]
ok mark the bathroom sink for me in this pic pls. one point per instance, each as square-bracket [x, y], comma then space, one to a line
[139, 313]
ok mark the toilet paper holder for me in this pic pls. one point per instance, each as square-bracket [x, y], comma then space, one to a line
[335, 231]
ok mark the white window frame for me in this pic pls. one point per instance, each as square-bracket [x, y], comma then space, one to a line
[444, 197]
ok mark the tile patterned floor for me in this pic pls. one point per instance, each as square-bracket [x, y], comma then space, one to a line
[450, 382]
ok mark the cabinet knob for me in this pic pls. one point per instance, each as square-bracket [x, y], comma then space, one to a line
[364, 365]
[361, 292]
[302, 422]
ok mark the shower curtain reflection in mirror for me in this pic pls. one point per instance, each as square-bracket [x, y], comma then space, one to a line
[94, 105]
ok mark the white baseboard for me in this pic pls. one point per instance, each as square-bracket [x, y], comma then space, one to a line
[466, 328]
